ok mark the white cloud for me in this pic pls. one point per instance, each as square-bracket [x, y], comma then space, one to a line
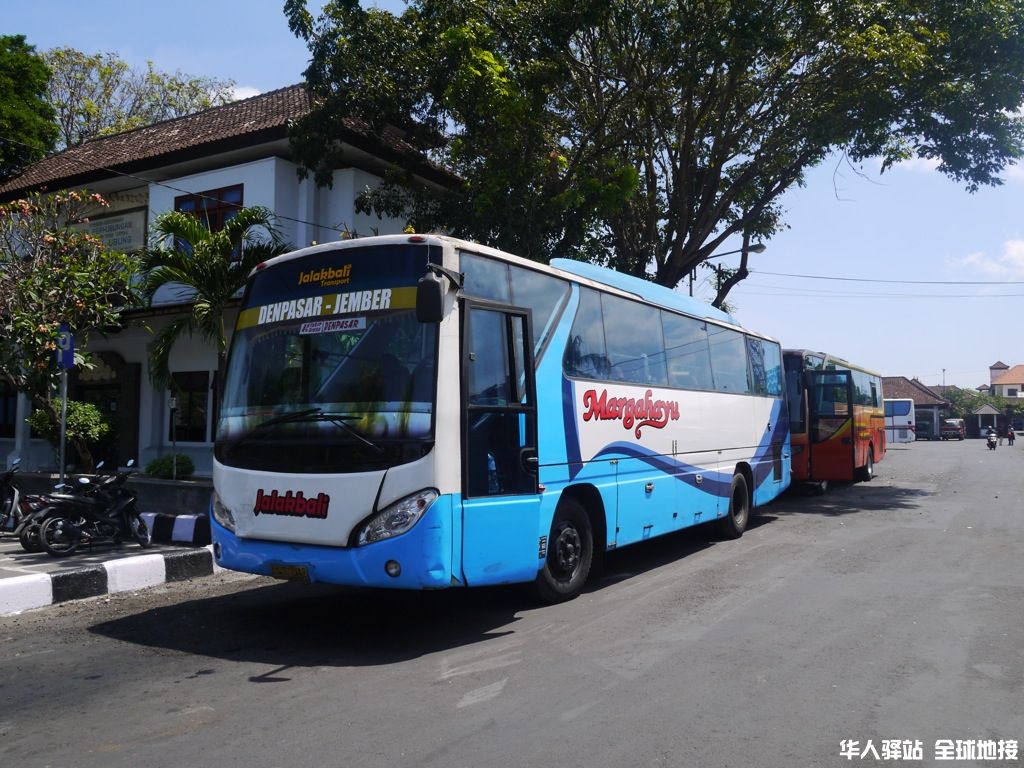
[1009, 265]
[244, 92]
[1014, 173]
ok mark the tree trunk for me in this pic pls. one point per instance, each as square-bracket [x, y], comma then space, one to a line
[724, 286]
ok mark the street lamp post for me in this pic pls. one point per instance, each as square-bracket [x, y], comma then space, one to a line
[755, 248]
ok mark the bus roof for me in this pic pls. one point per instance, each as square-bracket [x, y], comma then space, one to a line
[844, 364]
[652, 292]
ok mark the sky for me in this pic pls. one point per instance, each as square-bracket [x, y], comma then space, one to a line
[908, 224]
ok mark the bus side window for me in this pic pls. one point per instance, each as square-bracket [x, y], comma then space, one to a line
[728, 360]
[686, 352]
[545, 296]
[485, 278]
[585, 354]
[636, 346]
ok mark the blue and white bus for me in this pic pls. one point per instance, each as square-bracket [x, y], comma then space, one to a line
[422, 412]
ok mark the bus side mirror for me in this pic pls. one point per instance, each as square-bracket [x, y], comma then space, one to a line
[430, 299]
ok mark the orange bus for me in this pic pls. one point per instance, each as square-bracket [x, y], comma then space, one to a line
[836, 418]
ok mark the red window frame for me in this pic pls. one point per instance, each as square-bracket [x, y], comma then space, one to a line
[213, 207]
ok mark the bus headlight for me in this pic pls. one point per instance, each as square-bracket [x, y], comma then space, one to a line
[222, 514]
[396, 518]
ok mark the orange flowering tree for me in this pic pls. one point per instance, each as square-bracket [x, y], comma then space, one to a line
[52, 271]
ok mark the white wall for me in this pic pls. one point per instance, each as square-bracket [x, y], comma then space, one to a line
[337, 208]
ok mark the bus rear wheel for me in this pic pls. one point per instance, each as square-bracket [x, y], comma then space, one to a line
[735, 521]
[867, 472]
[570, 554]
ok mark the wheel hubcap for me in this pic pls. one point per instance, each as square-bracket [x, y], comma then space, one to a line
[567, 550]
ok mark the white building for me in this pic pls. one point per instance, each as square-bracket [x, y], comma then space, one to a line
[218, 159]
[1009, 383]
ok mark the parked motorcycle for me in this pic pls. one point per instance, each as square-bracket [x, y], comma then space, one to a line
[37, 508]
[105, 513]
[14, 505]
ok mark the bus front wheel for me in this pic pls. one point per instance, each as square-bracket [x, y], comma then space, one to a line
[735, 521]
[570, 554]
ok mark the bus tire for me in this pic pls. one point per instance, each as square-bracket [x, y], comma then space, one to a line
[735, 521]
[570, 554]
[867, 472]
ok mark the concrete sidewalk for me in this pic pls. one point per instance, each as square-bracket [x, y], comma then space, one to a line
[34, 580]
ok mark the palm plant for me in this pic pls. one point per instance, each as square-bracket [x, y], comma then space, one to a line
[212, 267]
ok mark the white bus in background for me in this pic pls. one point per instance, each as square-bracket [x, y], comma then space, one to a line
[899, 420]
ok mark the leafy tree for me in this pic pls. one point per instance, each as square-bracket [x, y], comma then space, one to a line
[52, 273]
[963, 403]
[26, 119]
[98, 94]
[646, 132]
[211, 265]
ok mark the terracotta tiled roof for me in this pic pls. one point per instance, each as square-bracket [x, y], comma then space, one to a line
[1013, 376]
[246, 122]
[901, 386]
[266, 114]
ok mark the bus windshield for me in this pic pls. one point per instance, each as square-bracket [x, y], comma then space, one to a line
[332, 382]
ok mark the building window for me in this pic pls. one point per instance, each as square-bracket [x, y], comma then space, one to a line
[1012, 392]
[214, 207]
[8, 409]
[192, 390]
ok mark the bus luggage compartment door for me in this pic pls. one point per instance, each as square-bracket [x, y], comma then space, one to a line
[830, 428]
[501, 501]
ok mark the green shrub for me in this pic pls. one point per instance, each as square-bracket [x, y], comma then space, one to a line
[163, 466]
[85, 422]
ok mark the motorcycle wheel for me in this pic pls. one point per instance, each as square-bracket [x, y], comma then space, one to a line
[29, 538]
[140, 530]
[55, 540]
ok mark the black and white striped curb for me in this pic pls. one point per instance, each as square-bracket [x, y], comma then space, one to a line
[179, 529]
[127, 574]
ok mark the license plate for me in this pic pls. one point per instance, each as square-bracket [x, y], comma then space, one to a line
[290, 572]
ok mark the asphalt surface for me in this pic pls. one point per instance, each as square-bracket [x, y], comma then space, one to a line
[882, 612]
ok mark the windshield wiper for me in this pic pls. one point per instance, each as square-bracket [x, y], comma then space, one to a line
[311, 415]
[341, 420]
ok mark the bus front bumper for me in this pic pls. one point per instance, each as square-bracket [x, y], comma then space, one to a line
[423, 555]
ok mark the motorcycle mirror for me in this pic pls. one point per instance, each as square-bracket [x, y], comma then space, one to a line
[15, 462]
[130, 464]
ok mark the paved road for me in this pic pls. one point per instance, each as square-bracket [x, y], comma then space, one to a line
[889, 610]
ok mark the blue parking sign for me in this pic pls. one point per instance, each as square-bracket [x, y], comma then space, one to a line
[65, 347]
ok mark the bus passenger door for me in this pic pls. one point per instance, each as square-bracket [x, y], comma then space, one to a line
[500, 498]
[830, 425]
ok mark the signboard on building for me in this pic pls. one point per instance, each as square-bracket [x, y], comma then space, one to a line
[125, 231]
